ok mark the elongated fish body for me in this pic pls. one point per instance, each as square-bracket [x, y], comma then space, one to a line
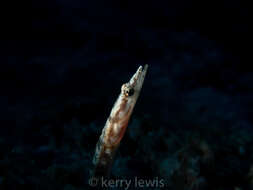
[116, 123]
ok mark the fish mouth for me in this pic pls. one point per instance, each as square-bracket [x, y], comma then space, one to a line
[137, 79]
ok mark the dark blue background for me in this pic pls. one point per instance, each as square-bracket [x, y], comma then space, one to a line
[62, 65]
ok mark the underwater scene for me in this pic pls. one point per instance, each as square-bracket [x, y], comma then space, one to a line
[126, 95]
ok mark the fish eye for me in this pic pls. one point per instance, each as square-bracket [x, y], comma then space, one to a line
[130, 92]
[127, 91]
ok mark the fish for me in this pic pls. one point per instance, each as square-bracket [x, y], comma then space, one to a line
[116, 124]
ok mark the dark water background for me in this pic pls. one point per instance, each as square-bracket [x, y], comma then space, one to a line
[62, 65]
